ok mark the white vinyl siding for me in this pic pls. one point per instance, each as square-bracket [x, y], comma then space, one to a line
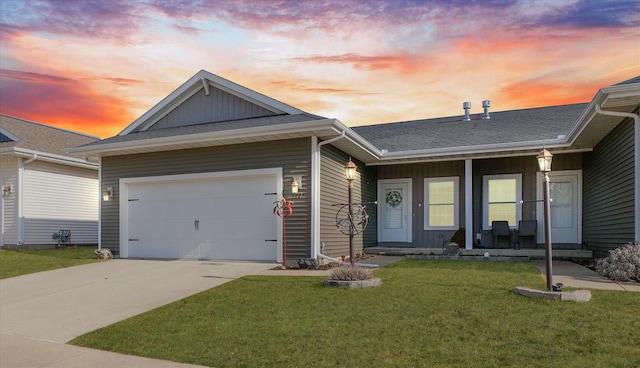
[441, 208]
[501, 199]
[9, 176]
[58, 197]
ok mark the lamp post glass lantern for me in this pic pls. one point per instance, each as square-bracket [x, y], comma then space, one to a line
[544, 162]
[350, 170]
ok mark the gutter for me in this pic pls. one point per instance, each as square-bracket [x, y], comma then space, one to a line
[48, 157]
[636, 145]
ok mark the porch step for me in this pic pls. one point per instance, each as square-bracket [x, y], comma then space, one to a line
[531, 253]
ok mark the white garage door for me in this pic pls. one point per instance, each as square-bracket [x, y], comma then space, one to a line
[227, 218]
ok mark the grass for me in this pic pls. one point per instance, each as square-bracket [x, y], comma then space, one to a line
[16, 263]
[425, 314]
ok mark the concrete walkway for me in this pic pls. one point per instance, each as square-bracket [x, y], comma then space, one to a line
[40, 312]
[576, 276]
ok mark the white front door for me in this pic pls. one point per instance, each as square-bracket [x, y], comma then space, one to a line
[394, 209]
[565, 190]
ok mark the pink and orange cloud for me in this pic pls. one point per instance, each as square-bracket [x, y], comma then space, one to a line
[96, 66]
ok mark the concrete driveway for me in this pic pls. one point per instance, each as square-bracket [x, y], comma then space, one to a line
[40, 312]
[62, 304]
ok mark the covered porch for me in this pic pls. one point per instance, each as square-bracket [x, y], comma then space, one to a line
[529, 253]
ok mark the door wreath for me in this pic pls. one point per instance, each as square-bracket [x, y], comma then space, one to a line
[394, 198]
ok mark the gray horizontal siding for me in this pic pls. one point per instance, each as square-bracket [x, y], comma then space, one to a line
[608, 207]
[418, 172]
[40, 231]
[526, 165]
[334, 190]
[293, 156]
[217, 106]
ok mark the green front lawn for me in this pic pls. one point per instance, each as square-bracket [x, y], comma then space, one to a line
[16, 263]
[426, 314]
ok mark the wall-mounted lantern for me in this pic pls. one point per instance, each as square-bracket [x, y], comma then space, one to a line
[296, 184]
[7, 190]
[107, 194]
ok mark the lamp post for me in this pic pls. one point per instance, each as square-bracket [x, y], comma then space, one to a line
[544, 161]
[350, 172]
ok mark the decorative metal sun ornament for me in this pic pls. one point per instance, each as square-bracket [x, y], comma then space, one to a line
[359, 221]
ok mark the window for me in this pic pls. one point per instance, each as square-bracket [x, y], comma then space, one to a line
[501, 199]
[441, 203]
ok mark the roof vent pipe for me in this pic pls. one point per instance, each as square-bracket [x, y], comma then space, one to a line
[486, 104]
[466, 106]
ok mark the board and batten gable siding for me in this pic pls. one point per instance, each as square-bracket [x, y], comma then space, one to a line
[525, 165]
[293, 156]
[608, 187]
[418, 172]
[60, 197]
[217, 106]
[9, 176]
[334, 190]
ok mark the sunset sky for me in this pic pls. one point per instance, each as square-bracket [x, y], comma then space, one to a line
[95, 66]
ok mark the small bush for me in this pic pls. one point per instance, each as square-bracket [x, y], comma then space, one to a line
[622, 264]
[349, 273]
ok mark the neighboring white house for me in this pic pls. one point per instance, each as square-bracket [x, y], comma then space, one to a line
[44, 189]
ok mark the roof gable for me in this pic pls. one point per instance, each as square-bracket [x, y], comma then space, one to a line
[210, 96]
[212, 107]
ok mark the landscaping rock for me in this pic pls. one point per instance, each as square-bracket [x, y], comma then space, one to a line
[360, 284]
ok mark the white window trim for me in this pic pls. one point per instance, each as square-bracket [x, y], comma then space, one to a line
[456, 202]
[485, 197]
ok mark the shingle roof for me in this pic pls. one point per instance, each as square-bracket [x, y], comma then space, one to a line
[524, 125]
[210, 127]
[39, 137]
[635, 79]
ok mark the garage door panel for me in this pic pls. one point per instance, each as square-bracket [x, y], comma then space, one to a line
[211, 218]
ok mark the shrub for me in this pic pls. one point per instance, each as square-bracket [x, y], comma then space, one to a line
[622, 264]
[348, 273]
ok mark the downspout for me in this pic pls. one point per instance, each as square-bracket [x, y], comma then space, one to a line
[315, 191]
[35, 156]
[21, 197]
[636, 145]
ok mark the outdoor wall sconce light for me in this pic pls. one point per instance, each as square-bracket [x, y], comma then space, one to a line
[296, 184]
[7, 190]
[107, 194]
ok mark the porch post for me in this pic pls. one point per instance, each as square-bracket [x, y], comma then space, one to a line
[468, 203]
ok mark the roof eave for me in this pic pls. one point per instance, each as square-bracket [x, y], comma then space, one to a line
[49, 157]
[498, 150]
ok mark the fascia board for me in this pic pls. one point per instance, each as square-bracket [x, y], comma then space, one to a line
[602, 95]
[301, 127]
[358, 140]
[50, 157]
[195, 84]
[475, 150]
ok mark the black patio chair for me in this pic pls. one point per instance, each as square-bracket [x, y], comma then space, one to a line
[527, 229]
[500, 230]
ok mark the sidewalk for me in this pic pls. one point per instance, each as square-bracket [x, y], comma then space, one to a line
[576, 276]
